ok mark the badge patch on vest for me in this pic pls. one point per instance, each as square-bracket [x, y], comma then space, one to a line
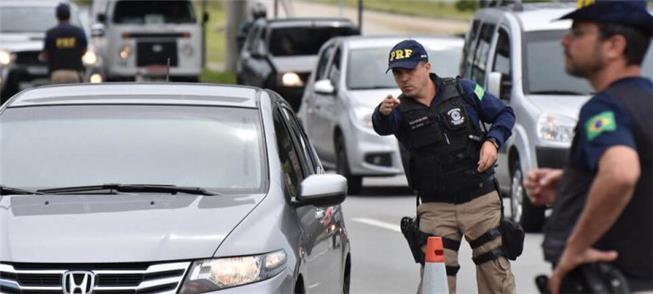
[602, 122]
[456, 117]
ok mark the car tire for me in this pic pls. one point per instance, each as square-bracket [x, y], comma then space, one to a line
[354, 183]
[522, 210]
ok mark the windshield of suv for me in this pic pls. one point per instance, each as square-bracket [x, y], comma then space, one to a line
[153, 12]
[217, 148]
[29, 19]
[303, 40]
[366, 68]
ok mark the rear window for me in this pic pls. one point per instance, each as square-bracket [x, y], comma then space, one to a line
[29, 19]
[153, 12]
[303, 40]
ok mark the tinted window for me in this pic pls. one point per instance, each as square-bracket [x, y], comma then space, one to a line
[481, 54]
[320, 72]
[288, 156]
[470, 45]
[153, 12]
[366, 68]
[213, 147]
[303, 40]
[502, 63]
[29, 19]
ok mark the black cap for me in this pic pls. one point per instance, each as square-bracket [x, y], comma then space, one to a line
[63, 11]
[631, 13]
[406, 54]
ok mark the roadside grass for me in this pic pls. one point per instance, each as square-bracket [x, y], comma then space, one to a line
[427, 8]
[215, 32]
[218, 77]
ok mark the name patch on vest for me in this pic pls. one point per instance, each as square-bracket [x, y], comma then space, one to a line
[456, 117]
[419, 122]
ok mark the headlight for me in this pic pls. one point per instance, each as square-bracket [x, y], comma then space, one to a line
[96, 78]
[363, 116]
[291, 79]
[555, 128]
[215, 274]
[89, 57]
[5, 57]
[125, 51]
[187, 50]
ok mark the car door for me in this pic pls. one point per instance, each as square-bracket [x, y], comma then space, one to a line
[312, 124]
[325, 113]
[323, 262]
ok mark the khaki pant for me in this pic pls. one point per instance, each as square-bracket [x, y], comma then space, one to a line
[471, 219]
[65, 76]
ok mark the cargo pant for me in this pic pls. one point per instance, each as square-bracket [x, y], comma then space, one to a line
[471, 219]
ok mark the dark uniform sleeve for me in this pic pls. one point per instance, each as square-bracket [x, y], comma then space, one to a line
[491, 110]
[386, 125]
[83, 43]
[47, 42]
[602, 124]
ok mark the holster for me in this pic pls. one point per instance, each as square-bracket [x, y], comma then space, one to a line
[410, 230]
[512, 238]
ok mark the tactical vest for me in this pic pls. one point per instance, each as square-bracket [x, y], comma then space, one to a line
[632, 233]
[444, 147]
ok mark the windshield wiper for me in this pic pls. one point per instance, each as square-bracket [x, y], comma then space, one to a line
[172, 189]
[4, 190]
[557, 92]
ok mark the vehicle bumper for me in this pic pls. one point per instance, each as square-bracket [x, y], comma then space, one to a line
[373, 155]
[282, 283]
[551, 157]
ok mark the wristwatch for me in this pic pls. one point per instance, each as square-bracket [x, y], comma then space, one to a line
[494, 141]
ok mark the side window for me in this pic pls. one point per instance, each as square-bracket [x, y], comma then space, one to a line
[470, 45]
[481, 54]
[334, 70]
[320, 72]
[501, 62]
[304, 149]
[288, 156]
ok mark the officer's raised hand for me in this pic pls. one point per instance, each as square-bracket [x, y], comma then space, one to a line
[541, 185]
[388, 104]
[487, 157]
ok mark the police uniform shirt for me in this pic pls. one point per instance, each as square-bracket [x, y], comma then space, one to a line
[65, 45]
[481, 106]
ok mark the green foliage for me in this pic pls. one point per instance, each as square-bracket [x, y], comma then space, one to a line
[224, 77]
[467, 5]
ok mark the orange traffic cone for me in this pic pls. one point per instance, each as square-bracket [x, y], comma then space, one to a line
[434, 279]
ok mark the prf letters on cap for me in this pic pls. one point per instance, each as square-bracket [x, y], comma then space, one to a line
[400, 54]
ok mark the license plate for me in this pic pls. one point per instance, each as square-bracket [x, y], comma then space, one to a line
[156, 69]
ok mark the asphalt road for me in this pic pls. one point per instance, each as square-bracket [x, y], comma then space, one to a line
[381, 260]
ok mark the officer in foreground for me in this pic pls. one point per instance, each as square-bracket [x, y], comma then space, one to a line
[604, 199]
[451, 160]
[65, 44]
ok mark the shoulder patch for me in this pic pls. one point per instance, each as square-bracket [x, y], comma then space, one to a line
[479, 91]
[602, 122]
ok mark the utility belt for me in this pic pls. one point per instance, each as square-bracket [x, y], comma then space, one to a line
[462, 195]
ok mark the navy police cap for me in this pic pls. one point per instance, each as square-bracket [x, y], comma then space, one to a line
[406, 54]
[625, 12]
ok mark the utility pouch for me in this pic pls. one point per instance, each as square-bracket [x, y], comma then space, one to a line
[512, 238]
[410, 230]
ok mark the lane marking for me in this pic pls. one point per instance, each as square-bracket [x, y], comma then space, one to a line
[377, 223]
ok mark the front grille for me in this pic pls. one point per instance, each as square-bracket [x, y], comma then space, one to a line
[28, 58]
[109, 278]
[156, 53]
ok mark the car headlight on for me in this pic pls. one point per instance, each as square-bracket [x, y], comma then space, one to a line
[215, 274]
[125, 51]
[363, 115]
[89, 58]
[555, 128]
[5, 57]
[291, 79]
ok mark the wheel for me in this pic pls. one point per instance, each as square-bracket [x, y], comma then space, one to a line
[354, 183]
[522, 210]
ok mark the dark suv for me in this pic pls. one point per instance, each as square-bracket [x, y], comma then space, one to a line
[279, 54]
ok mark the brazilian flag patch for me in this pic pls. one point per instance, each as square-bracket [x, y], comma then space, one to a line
[479, 92]
[602, 122]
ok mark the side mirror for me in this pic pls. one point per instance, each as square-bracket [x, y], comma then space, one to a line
[498, 86]
[102, 18]
[97, 30]
[324, 87]
[323, 190]
[205, 17]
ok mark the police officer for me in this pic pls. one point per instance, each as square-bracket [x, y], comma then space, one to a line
[258, 11]
[604, 199]
[65, 44]
[451, 160]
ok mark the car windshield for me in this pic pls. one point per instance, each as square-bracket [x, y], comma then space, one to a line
[303, 40]
[153, 12]
[216, 148]
[32, 19]
[366, 68]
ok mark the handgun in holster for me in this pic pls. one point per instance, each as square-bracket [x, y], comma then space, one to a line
[415, 238]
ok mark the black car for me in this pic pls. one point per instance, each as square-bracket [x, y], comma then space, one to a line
[279, 54]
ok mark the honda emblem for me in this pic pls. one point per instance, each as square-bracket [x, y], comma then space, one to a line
[78, 282]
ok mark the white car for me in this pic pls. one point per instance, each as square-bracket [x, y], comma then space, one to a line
[350, 80]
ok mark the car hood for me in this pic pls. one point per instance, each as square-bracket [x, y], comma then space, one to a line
[117, 228]
[297, 64]
[22, 42]
[568, 105]
[371, 98]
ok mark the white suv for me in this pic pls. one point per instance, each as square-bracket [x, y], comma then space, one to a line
[515, 52]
